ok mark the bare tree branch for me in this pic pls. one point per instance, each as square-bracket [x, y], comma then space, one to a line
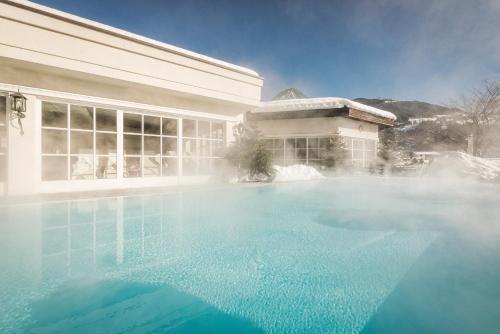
[483, 110]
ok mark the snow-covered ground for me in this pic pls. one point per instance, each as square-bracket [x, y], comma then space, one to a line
[283, 174]
[296, 173]
[454, 163]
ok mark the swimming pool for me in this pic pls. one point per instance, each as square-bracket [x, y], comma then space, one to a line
[333, 256]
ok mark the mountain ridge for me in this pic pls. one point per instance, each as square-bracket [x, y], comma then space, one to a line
[405, 110]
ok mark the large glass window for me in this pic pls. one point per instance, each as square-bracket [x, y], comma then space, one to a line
[132, 145]
[82, 117]
[55, 141]
[202, 146]
[188, 128]
[132, 123]
[81, 142]
[78, 142]
[289, 151]
[105, 120]
[55, 115]
[106, 144]
[370, 152]
[301, 150]
[169, 127]
[314, 154]
[150, 145]
[313, 150]
[169, 154]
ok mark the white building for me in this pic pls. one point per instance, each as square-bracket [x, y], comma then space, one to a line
[108, 109]
[298, 129]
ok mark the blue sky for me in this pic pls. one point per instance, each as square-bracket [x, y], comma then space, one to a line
[430, 50]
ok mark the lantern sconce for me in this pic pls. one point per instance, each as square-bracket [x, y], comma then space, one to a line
[17, 109]
[238, 130]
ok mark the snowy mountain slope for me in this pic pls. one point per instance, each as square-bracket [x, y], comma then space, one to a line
[405, 110]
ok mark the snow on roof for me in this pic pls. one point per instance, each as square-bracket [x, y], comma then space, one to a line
[320, 103]
[125, 34]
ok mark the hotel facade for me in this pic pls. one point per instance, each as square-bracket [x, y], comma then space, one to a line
[108, 109]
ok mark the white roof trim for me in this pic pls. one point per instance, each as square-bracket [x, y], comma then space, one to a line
[320, 103]
[119, 32]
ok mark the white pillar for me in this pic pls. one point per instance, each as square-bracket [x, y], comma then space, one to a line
[179, 150]
[23, 151]
[119, 146]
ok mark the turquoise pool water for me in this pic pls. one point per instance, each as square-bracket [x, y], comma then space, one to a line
[336, 256]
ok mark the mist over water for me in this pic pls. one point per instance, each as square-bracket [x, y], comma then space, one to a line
[338, 255]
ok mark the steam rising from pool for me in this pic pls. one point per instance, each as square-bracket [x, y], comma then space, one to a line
[337, 255]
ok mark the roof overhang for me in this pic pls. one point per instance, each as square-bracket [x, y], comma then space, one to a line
[46, 37]
[321, 113]
[318, 107]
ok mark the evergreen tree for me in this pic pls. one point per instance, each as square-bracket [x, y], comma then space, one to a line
[335, 153]
[249, 153]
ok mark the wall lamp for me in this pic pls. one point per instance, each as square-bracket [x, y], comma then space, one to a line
[17, 109]
[238, 129]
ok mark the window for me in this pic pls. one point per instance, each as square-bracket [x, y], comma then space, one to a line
[169, 147]
[55, 138]
[370, 152]
[279, 151]
[290, 151]
[301, 150]
[132, 145]
[150, 146]
[169, 127]
[81, 142]
[189, 147]
[106, 144]
[217, 131]
[314, 153]
[363, 152]
[202, 146]
[188, 128]
[204, 129]
[313, 150]
[358, 153]
[54, 115]
[78, 142]
[217, 140]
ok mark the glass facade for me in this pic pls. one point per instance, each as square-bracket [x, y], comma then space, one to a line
[312, 150]
[202, 146]
[55, 141]
[149, 145]
[81, 142]
[74, 145]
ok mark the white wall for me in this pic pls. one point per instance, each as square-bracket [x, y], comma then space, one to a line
[58, 40]
[317, 127]
[23, 152]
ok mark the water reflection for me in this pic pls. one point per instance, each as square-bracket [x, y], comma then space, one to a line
[87, 236]
[254, 257]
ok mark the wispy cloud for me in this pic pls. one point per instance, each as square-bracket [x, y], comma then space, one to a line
[447, 47]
